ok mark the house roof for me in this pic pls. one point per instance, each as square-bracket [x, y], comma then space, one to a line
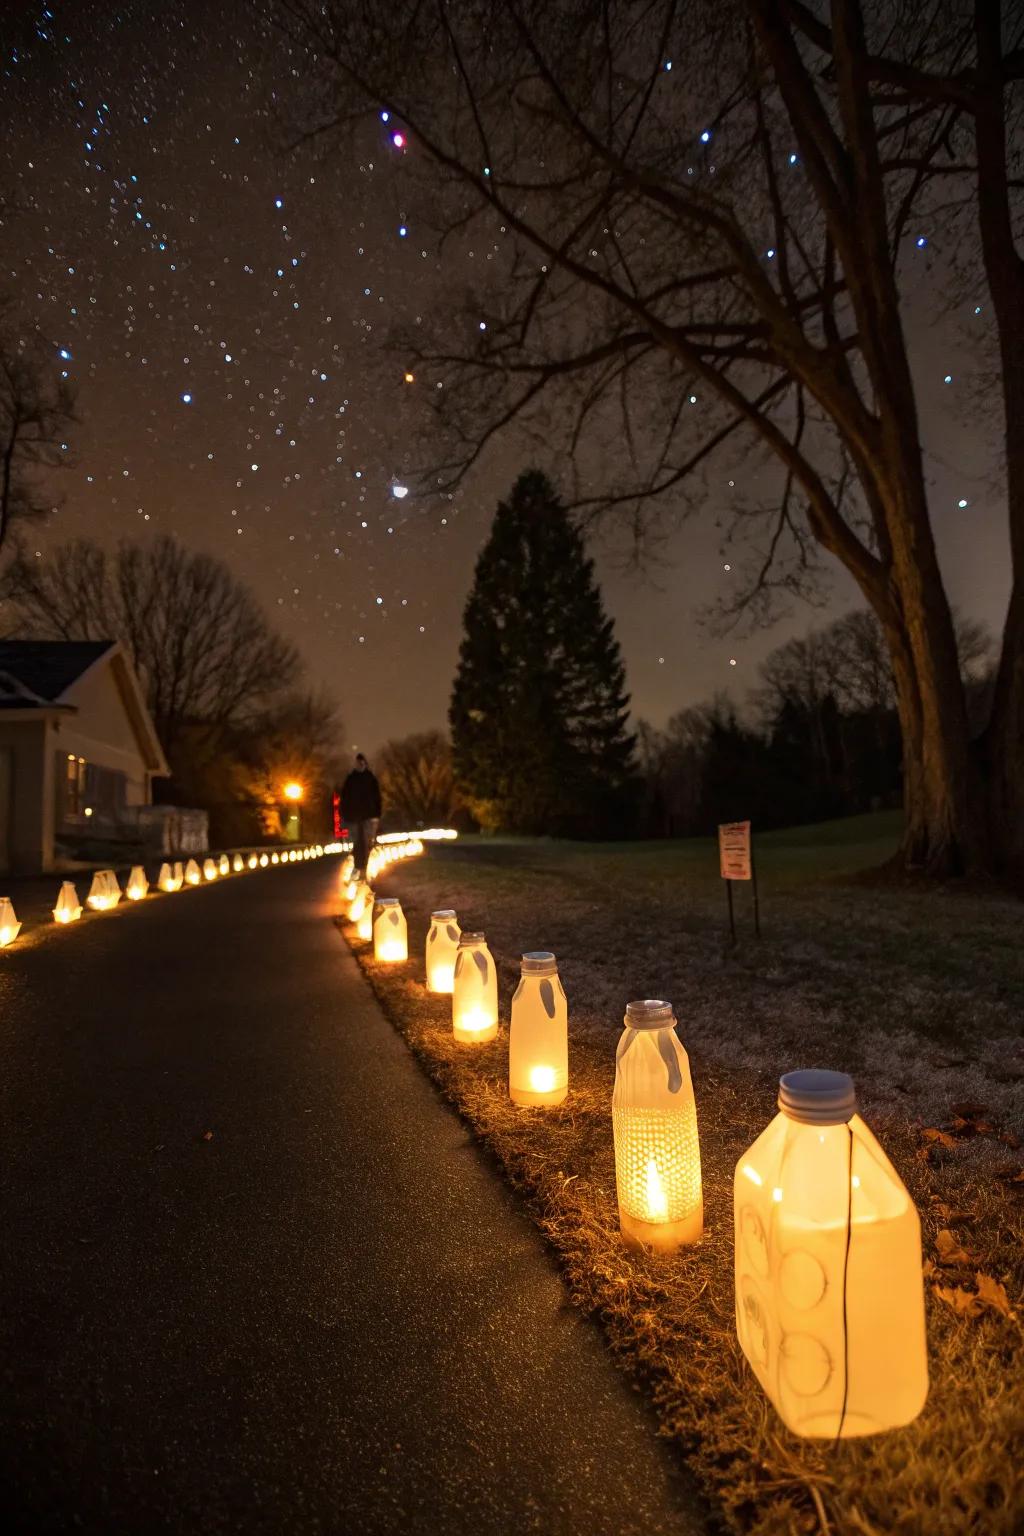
[45, 669]
[39, 674]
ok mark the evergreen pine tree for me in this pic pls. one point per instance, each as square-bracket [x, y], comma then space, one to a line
[539, 709]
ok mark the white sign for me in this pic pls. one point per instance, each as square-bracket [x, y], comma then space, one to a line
[734, 850]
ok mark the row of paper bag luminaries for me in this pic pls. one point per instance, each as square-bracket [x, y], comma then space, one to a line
[105, 889]
[829, 1283]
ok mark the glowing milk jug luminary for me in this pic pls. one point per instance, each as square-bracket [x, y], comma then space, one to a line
[475, 992]
[9, 924]
[829, 1291]
[442, 948]
[390, 931]
[68, 908]
[654, 1122]
[193, 874]
[137, 885]
[538, 1047]
[364, 927]
[361, 898]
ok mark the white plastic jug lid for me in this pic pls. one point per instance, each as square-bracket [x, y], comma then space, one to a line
[466, 939]
[388, 901]
[818, 1098]
[539, 962]
[649, 1013]
[444, 912]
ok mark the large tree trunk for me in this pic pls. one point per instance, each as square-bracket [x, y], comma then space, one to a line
[1002, 746]
[943, 833]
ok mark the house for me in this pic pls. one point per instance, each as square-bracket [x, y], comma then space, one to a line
[78, 750]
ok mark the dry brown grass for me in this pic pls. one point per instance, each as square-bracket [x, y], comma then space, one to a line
[919, 997]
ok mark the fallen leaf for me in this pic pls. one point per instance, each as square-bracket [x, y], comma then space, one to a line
[947, 1214]
[207, 1135]
[964, 1303]
[937, 1138]
[950, 1251]
[965, 1128]
[993, 1294]
[929, 1269]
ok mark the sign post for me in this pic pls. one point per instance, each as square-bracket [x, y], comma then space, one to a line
[736, 862]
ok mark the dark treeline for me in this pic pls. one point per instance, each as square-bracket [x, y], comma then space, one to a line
[818, 737]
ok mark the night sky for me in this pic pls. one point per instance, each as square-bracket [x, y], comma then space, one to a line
[223, 304]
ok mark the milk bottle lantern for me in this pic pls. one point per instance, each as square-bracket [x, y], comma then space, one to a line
[264, 861]
[442, 948]
[829, 1293]
[193, 874]
[654, 1121]
[209, 870]
[224, 865]
[364, 927]
[9, 924]
[68, 908]
[361, 897]
[348, 864]
[475, 992]
[252, 861]
[390, 932]
[137, 885]
[538, 1048]
[237, 864]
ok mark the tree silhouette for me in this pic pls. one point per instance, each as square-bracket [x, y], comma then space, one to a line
[733, 231]
[538, 712]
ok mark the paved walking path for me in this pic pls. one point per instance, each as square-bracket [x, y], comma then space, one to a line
[326, 1316]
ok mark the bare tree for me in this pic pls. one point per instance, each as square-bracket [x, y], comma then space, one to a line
[207, 657]
[672, 765]
[416, 779]
[36, 409]
[733, 228]
[848, 660]
[295, 739]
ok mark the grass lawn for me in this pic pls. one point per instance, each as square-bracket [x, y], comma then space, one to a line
[918, 994]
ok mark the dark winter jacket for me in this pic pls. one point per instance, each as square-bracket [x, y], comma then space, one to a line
[360, 796]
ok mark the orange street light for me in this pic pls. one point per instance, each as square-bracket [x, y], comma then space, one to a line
[293, 791]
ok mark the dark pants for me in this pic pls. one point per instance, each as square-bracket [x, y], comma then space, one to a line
[364, 835]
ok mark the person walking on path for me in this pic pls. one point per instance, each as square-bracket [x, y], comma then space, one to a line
[360, 809]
